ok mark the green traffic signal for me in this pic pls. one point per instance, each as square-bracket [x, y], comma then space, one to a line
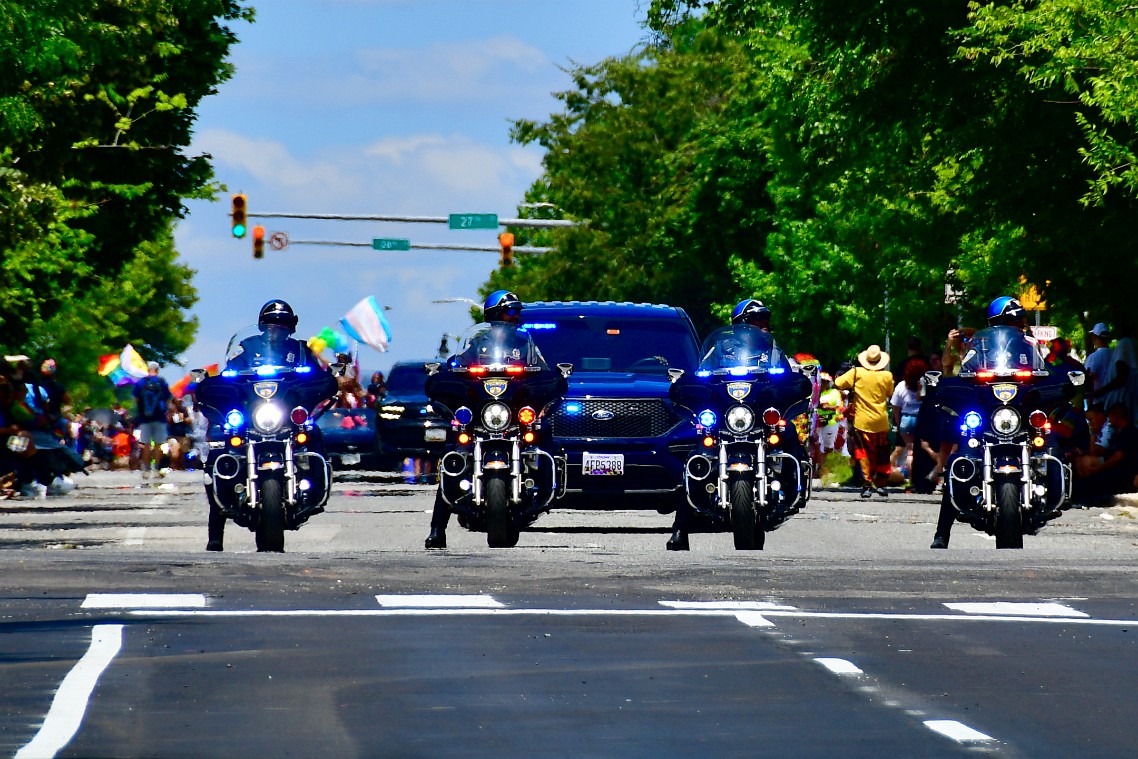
[237, 212]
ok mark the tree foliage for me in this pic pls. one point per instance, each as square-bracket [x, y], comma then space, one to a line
[844, 161]
[97, 107]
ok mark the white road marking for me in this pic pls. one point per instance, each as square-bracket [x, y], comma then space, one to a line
[732, 605]
[839, 666]
[957, 731]
[70, 702]
[134, 536]
[144, 601]
[1019, 609]
[753, 619]
[438, 601]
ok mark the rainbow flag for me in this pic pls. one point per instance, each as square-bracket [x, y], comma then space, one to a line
[132, 363]
[108, 364]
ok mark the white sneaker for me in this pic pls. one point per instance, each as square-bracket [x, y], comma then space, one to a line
[34, 490]
[61, 486]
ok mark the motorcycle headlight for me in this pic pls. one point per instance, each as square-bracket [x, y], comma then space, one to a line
[739, 419]
[268, 418]
[1006, 421]
[496, 416]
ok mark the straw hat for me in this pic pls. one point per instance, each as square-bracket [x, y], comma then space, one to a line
[873, 358]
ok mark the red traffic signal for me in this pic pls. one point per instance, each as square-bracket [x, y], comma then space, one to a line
[237, 213]
[506, 240]
[258, 242]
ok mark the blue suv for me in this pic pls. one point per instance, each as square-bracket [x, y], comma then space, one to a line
[625, 444]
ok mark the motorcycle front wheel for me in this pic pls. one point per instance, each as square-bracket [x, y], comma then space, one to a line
[500, 530]
[270, 528]
[1009, 530]
[746, 528]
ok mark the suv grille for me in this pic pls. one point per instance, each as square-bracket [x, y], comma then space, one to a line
[631, 417]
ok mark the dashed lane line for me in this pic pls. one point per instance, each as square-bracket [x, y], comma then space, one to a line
[70, 702]
[439, 600]
[957, 731]
[135, 601]
[1046, 609]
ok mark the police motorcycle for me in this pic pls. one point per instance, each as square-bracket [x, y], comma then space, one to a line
[267, 470]
[750, 473]
[1008, 478]
[498, 474]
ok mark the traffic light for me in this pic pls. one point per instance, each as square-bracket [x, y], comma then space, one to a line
[506, 240]
[238, 214]
[258, 242]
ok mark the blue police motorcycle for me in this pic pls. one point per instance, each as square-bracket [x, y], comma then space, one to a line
[1008, 477]
[750, 473]
[266, 469]
[499, 473]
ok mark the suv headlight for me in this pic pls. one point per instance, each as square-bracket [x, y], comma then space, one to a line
[268, 418]
[496, 416]
[739, 419]
[1006, 421]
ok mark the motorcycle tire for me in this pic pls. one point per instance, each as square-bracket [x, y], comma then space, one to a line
[1009, 528]
[500, 530]
[270, 528]
[743, 520]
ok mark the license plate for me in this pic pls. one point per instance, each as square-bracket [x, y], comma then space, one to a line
[603, 464]
[349, 459]
[435, 435]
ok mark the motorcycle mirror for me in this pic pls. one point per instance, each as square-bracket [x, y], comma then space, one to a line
[932, 377]
[198, 375]
[338, 369]
[675, 374]
[565, 369]
[808, 369]
[431, 368]
[1077, 378]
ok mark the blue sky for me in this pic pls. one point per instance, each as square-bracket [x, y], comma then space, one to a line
[378, 107]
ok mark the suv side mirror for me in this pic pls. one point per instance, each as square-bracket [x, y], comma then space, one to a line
[565, 369]
[198, 375]
[431, 368]
[1077, 378]
[675, 374]
[932, 378]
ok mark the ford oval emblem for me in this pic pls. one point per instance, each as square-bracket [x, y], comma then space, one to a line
[603, 415]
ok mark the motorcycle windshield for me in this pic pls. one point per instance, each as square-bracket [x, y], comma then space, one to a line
[741, 347]
[498, 344]
[1003, 350]
[251, 351]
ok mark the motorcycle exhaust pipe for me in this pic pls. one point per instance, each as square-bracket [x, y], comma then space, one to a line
[453, 464]
[227, 466]
[962, 469]
[698, 467]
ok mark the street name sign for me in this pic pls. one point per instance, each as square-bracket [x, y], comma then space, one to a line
[388, 243]
[473, 221]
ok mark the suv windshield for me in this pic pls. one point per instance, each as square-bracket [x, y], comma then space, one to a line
[741, 346]
[1001, 349]
[599, 344]
[407, 381]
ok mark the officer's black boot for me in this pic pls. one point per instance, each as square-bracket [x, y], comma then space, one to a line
[944, 523]
[678, 541]
[439, 518]
[216, 533]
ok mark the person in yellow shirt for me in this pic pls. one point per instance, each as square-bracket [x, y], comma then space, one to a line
[870, 385]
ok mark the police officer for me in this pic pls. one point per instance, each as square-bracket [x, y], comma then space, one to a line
[1003, 311]
[500, 307]
[277, 321]
[754, 313]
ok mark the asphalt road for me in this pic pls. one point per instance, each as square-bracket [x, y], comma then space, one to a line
[122, 637]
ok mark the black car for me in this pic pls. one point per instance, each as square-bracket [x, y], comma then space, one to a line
[350, 439]
[408, 426]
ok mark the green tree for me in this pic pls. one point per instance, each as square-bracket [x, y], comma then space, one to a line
[96, 108]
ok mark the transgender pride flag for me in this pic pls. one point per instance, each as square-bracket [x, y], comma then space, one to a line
[366, 323]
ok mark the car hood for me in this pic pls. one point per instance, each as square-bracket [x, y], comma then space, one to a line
[618, 385]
